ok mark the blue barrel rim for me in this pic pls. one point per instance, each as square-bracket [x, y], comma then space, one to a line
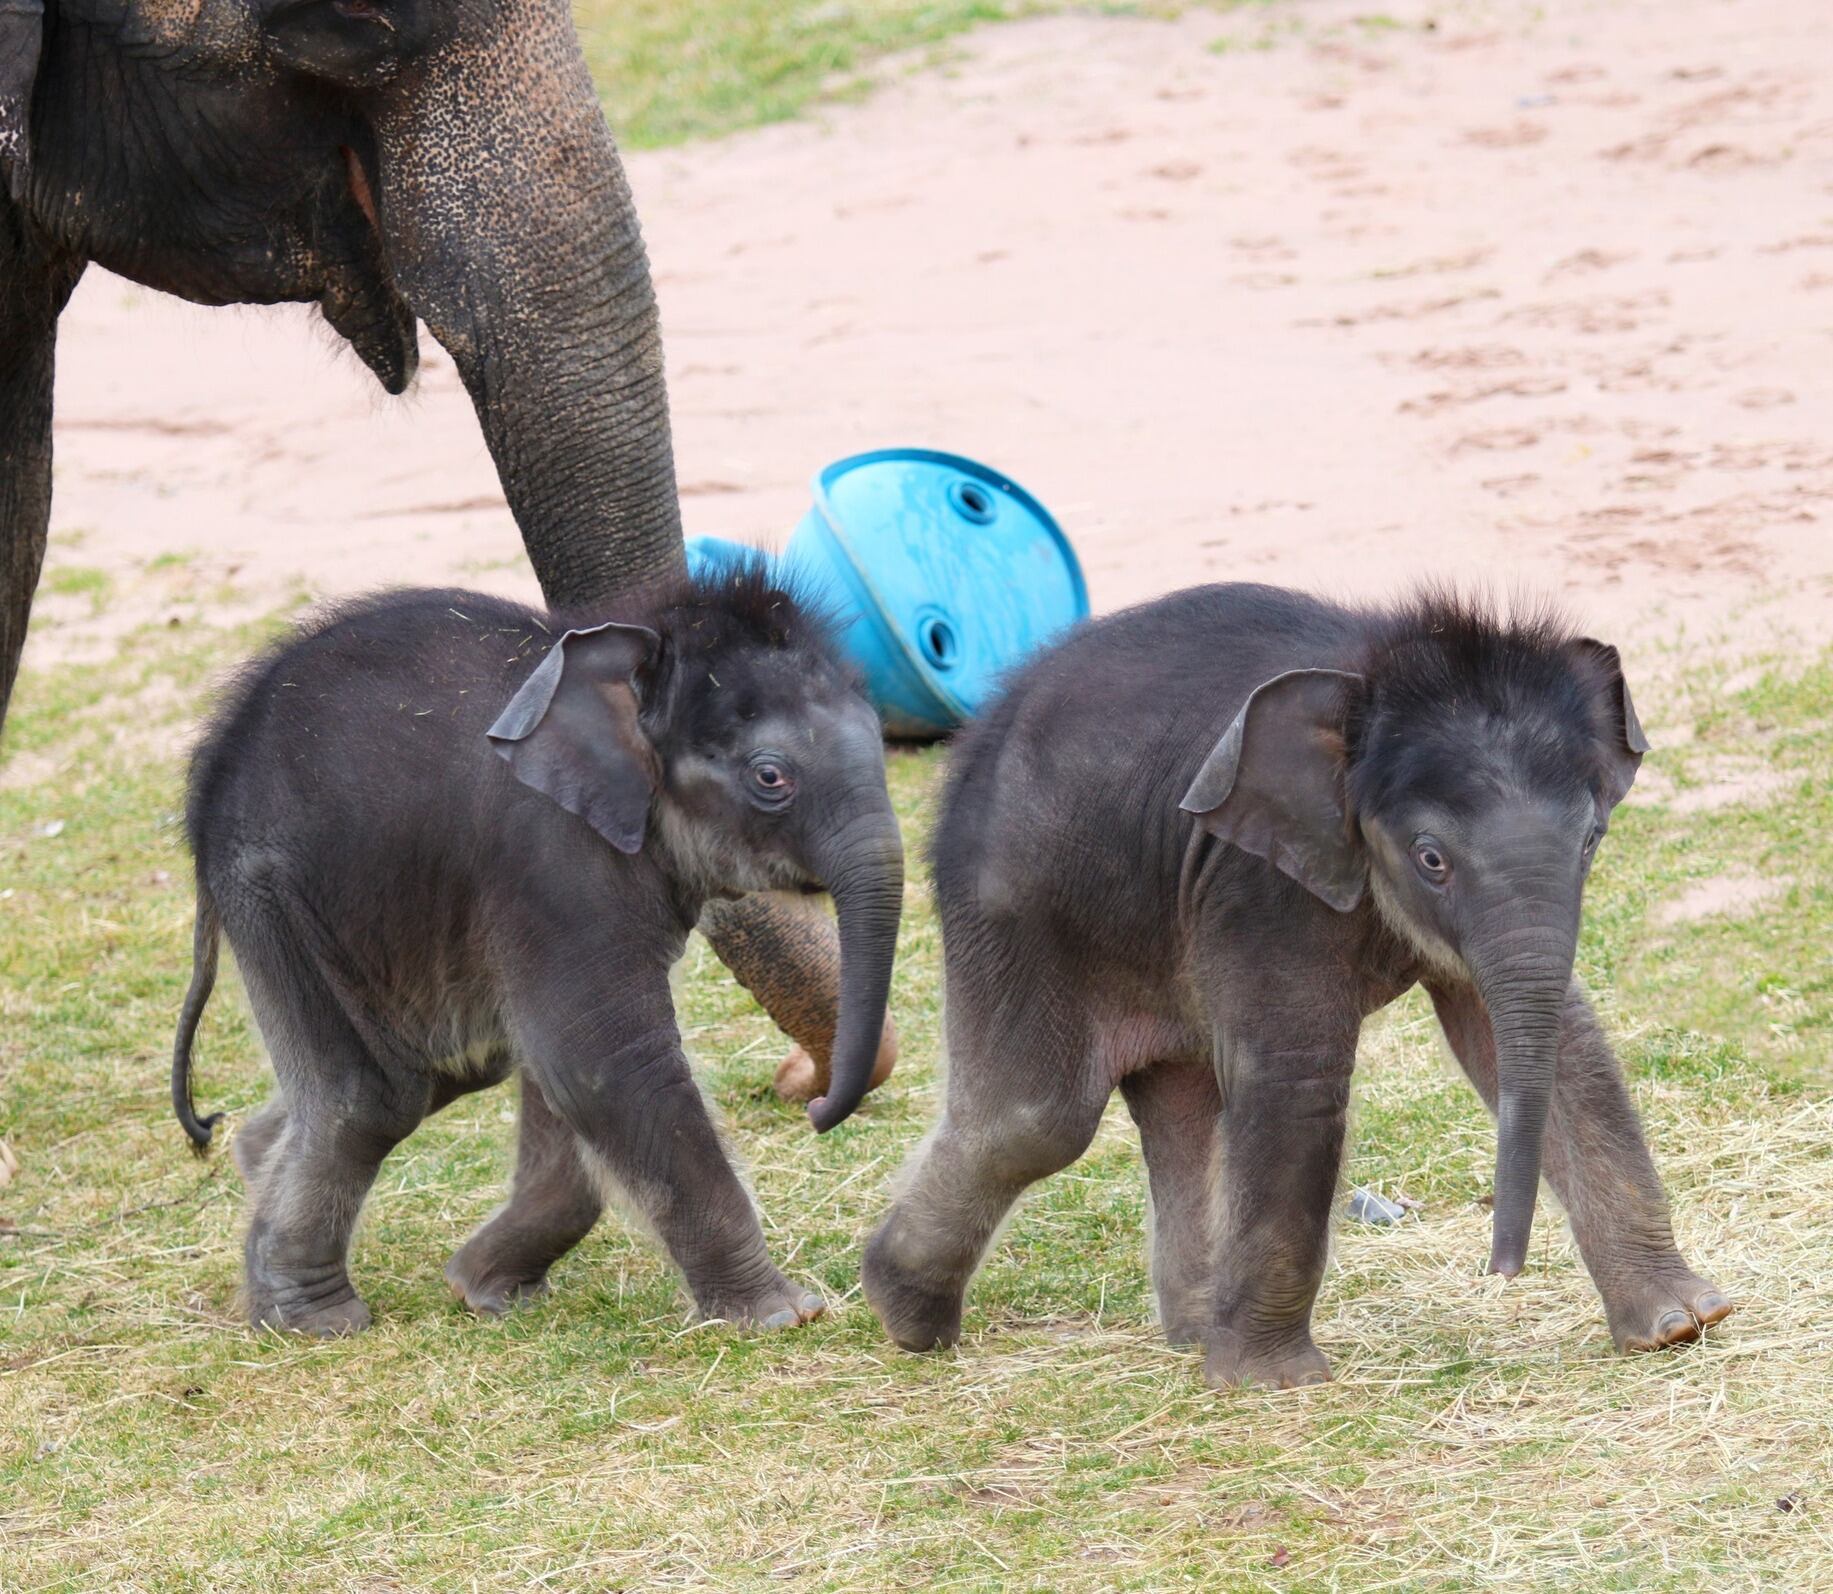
[927, 672]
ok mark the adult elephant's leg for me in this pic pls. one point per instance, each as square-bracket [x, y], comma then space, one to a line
[786, 952]
[1597, 1162]
[552, 1206]
[33, 289]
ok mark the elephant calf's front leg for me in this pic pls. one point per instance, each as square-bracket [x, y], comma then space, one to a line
[642, 1123]
[1598, 1164]
[1283, 1126]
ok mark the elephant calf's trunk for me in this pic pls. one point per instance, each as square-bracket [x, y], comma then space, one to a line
[1527, 1049]
[868, 890]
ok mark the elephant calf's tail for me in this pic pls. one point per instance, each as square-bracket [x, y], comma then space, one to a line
[203, 981]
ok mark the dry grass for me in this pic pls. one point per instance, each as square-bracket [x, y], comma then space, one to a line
[1478, 1435]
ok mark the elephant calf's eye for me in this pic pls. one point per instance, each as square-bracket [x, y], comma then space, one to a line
[1429, 858]
[771, 784]
[1592, 840]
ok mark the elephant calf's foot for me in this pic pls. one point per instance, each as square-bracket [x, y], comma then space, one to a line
[1664, 1308]
[323, 1309]
[1186, 1316]
[1285, 1364]
[489, 1284]
[916, 1316]
[779, 1304]
[1186, 1332]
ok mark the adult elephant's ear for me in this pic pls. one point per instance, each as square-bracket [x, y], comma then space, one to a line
[1273, 785]
[22, 31]
[573, 732]
[1623, 754]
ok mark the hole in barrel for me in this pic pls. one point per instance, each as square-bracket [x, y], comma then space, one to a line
[973, 502]
[937, 639]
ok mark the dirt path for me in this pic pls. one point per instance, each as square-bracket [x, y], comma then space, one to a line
[1546, 302]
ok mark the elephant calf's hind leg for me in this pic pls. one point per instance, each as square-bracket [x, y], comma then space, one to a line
[1178, 1108]
[315, 1149]
[552, 1207]
[1015, 1114]
[255, 1141]
[306, 1209]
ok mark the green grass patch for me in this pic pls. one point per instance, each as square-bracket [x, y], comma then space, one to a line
[1478, 1435]
[671, 70]
[78, 581]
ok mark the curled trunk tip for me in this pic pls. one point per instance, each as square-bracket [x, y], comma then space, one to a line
[868, 893]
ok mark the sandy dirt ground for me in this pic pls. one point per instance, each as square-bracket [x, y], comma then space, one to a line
[1545, 303]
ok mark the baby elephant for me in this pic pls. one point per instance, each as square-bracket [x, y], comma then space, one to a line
[449, 838]
[1187, 854]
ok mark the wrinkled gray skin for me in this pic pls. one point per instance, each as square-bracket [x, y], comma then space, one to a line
[446, 848]
[1185, 856]
[385, 160]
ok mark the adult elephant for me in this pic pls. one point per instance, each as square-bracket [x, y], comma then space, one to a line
[388, 161]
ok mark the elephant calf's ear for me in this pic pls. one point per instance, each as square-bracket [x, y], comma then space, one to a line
[572, 732]
[1623, 755]
[1273, 785]
[22, 28]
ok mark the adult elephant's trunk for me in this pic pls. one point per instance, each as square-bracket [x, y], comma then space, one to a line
[862, 864]
[509, 228]
[1523, 975]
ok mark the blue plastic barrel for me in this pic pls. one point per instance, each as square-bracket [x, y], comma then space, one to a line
[944, 573]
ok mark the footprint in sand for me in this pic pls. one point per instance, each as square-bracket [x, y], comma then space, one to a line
[1511, 486]
[1601, 313]
[1811, 240]
[1496, 441]
[1731, 158]
[1521, 387]
[1585, 262]
[1471, 357]
[1517, 135]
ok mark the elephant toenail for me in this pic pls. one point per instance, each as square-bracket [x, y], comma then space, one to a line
[811, 1306]
[1675, 1328]
[1711, 1306]
[782, 1319]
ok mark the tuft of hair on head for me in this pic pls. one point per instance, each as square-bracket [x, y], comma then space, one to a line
[1451, 672]
[749, 602]
[1439, 640]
